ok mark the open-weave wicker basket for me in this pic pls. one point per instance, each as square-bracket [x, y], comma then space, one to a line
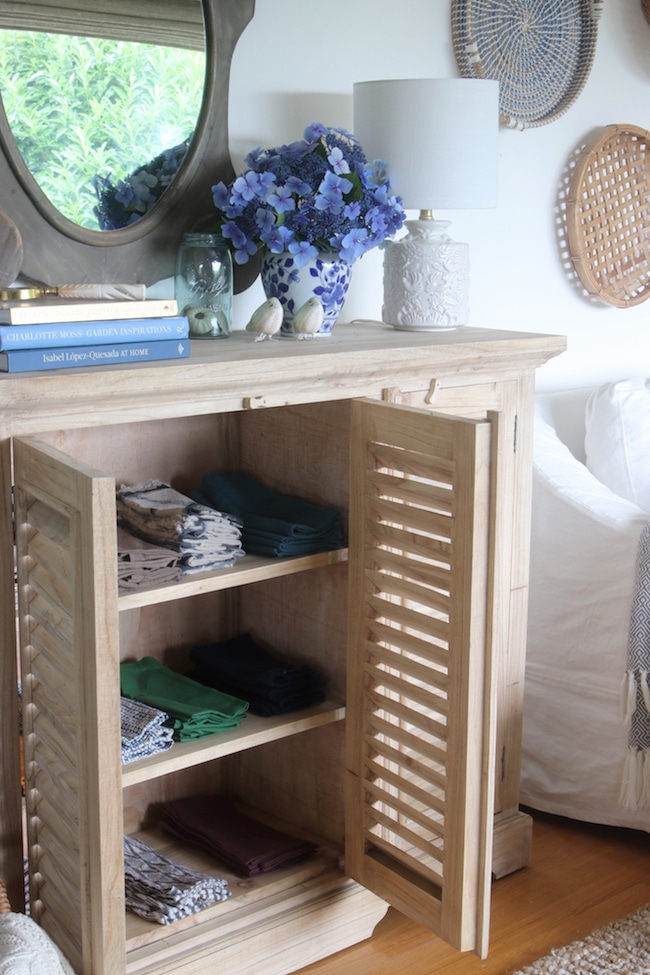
[540, 51]
[608, 216]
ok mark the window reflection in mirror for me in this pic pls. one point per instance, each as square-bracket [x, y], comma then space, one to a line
[102, 124]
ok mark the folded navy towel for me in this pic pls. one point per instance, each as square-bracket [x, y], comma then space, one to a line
[273, 524]
[243, 668]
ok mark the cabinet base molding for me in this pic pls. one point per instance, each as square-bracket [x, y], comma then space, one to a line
[291, 931]
[513, 838]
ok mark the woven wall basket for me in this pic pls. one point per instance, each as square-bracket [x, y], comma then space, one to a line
[540, 52]
[608, 216]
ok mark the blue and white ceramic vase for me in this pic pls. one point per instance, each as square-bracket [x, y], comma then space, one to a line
[325, 277]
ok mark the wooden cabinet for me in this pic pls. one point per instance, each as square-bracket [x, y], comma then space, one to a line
[407, 775]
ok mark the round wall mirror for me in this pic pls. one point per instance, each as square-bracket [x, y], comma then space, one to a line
[62, 239]
[102, 124]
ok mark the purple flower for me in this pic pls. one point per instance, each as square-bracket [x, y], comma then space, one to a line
[352, 210]
[331, 192]
[220, 196]
[298, 186]
[353, 245]
[278, 239]
[314, 132]
[281, 200]
[338, 162]
[303, 252]
[264, 220]
[247, 187]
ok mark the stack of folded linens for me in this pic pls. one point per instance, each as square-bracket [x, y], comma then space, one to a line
[273, 524]
[204, 539]
[247, 846]
[142, 564]
[241, 667]
[196, 710]
[145, 730]
[160, 890]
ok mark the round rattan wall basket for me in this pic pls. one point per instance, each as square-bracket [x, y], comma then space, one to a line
[540, 51]
[608, 216]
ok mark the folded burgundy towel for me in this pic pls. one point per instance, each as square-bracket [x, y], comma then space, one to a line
[247, 846]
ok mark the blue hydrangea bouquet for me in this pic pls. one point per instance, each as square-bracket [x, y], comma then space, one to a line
[319, 195]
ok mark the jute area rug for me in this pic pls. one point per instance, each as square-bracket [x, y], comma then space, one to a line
[622, 948]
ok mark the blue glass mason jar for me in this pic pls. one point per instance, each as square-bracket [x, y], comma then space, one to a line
[204, 285]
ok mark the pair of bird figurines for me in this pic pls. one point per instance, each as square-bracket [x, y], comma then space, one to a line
[267, 319]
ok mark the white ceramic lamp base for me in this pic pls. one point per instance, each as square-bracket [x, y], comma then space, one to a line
[426, 279]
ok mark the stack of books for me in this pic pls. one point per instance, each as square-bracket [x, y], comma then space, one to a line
[53, 333]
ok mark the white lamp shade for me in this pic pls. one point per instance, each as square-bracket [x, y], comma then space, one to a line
[438, 137]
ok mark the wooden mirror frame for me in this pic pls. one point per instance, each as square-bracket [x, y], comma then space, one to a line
[57, 251]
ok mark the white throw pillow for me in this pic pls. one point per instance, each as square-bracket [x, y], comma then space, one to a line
[617, 438]
[25, 949]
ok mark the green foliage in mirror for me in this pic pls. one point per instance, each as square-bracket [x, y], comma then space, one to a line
[81, 108]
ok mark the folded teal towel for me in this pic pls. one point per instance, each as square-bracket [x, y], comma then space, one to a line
[273, 524]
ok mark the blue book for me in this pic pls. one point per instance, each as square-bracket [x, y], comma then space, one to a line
[58, 334]
[28, 360]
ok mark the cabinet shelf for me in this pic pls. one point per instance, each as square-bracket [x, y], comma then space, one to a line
[253, 731]
[249, 569]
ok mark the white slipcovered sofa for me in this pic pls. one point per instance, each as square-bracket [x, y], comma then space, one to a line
[585, 537]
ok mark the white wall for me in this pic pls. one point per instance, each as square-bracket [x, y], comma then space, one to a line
[296, 63]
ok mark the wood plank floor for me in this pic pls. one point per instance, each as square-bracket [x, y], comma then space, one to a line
[581, 877]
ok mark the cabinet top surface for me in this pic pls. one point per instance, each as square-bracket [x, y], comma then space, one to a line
[240, 373]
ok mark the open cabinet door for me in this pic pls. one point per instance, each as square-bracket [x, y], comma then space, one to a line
[67, 585]
[420, 700]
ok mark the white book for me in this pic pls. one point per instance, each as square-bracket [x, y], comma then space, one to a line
[51, 309]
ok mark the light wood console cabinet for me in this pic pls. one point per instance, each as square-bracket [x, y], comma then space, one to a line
[408, 774]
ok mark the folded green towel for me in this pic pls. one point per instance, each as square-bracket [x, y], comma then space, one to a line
[196, 710]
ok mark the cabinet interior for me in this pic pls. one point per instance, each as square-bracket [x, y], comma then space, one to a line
[287, 770]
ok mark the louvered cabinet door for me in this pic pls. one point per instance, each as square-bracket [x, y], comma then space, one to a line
[420, 701]
[67, 584]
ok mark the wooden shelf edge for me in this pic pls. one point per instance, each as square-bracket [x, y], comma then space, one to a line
[250, 568]
[253, 731]
[247, 894]
[341, 913]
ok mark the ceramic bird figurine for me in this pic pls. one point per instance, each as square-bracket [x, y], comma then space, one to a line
[266, 320]
[309, 318]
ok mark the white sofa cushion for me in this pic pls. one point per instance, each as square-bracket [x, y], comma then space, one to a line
[583, 551]
[617, 438]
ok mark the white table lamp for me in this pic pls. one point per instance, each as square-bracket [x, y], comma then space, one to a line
[439, 139]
